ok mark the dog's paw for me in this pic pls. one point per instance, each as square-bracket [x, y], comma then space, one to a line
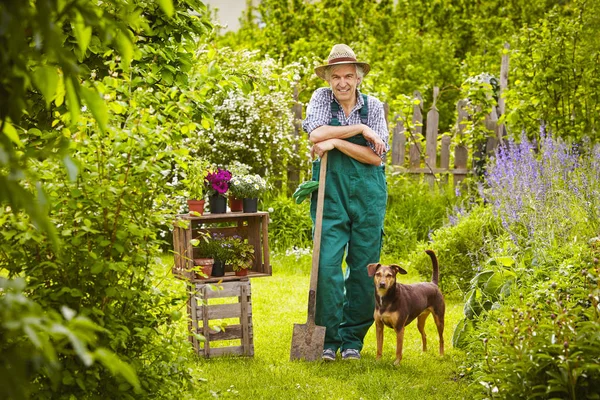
[397, 362]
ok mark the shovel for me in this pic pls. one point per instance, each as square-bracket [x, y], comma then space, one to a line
[308, 339]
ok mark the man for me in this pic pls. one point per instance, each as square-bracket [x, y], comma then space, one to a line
[352, 128]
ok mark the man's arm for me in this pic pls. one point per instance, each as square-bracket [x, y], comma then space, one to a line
[364, 154]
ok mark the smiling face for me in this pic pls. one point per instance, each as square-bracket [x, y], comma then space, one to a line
[343, 81]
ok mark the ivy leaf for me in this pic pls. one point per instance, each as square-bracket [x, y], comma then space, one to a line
[97, 106]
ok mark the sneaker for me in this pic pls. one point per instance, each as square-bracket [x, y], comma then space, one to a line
[350, 354]
[328, 355]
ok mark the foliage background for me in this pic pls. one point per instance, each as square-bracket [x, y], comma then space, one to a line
[103, 107]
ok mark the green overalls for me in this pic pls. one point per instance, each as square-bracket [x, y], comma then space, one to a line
[353, 214]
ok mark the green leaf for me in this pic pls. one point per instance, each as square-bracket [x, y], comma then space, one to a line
[72, 98]
[83, 33]
[46, 80]
[125, 48]
[72, 169]
[12, 133]
[96, 105]
[167, 7]
[117, 366]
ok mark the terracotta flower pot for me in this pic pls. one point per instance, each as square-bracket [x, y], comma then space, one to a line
[207, 267]
[235, 204]
[196, 205]
[241, 272]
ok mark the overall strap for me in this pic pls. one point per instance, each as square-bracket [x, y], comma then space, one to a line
[364, 112]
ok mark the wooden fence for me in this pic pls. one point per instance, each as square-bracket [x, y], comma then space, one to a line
[434, 161]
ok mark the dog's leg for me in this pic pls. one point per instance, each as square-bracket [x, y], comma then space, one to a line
[421, 325]
[439, 322]
[399, 342]
[379, 334]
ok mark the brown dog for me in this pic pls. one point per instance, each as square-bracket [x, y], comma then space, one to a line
[397, 305]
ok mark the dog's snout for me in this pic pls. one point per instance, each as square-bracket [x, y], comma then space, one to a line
[382, 284]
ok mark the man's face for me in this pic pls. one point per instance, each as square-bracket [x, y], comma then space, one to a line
[344, 81]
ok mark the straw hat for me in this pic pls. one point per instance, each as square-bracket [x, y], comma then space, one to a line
[341, 54]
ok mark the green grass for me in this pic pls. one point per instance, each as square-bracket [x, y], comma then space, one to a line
[279, 302]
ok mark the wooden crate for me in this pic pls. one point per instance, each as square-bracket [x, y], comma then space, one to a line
[250, 226]
[204, 307]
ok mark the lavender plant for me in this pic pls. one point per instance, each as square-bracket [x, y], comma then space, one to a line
[546, 193]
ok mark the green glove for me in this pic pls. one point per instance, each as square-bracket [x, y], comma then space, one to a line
[304, 189]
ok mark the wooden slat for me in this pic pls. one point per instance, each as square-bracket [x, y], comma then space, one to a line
[220, 311]
[230, 290]
[246, 313]
[265, 241]
[445, 157]
[231, 332]
[204, 316]
[504, 67]
[398, 143]
[255, 240]
[433, 117]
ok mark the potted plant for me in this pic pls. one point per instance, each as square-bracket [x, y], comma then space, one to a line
[248, 187]
[237, 169]
[195, 184]
[240, 255]
[205, 252]
[217, 184]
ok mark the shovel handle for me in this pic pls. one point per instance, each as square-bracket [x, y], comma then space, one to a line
[314, 272]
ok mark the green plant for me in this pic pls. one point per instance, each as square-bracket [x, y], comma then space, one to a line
[247, 186]
[194, 182]
[240, 253]
[461, 247]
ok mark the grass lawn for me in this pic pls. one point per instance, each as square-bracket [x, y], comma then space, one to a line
[280, 301]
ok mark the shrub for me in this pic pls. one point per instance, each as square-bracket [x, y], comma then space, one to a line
[290, 224]
[413, 211]
[460, 248]
[543, 341]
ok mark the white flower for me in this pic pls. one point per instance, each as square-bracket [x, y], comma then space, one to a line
[270, 209]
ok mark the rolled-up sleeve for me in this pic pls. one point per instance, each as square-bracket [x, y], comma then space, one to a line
[377, 121]
[318, 112]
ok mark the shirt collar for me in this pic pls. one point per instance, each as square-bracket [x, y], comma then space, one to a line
[360, 102]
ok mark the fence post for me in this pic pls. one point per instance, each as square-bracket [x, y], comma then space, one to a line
[417, 120]
[433, 118]
[398, 143]
[293, 175]
[503, 85]
[461, 154]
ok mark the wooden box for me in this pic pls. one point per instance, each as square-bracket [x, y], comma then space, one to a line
[250, 226]
[230, 300]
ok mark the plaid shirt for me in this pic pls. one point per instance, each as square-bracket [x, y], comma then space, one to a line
[318, 113]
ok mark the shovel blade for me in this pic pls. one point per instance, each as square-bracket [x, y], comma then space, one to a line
[307, 342]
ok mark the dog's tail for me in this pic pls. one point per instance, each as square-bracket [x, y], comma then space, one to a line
[435, 276]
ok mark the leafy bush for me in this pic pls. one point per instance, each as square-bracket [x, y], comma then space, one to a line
[543, 341]
[413, 212]
[460, 248]
[290, 224]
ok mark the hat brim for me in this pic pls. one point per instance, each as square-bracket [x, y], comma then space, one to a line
[320, 70]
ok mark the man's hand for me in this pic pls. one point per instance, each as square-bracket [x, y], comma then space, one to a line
[322, 147]
[372, 137]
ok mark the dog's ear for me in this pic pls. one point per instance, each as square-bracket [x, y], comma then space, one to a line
[399, 269]
[372, 268]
